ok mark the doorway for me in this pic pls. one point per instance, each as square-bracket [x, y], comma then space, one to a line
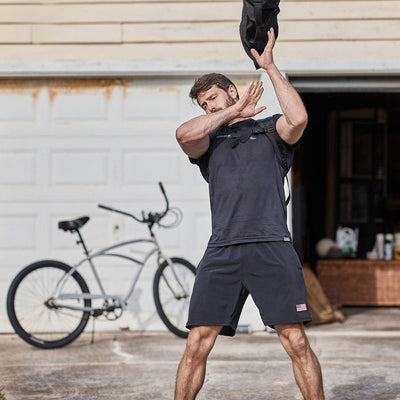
[346, 170]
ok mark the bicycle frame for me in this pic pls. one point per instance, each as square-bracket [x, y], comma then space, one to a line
[118, 302]
[49, 303]
[107, 252]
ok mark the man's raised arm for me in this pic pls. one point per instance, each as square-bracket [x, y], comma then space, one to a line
[291, 126]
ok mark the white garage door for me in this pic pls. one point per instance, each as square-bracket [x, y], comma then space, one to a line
[67, 145]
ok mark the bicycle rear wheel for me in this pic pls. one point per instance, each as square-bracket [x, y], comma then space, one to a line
[172, 289]
[32, 313]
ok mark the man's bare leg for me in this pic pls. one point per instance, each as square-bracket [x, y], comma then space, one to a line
[192, 368]
[306, 368]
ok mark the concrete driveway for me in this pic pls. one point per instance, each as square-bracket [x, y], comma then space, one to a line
[360, 360]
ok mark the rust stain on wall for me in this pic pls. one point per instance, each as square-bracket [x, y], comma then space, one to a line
[19, 86]
[66, 86]
[169, 89]
[128, 88]
[57, 86]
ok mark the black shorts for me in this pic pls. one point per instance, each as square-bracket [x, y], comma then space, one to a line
[270, 271]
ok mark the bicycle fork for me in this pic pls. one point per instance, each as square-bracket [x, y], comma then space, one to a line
[185, 295]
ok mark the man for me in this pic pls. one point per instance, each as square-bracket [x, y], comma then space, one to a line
[250, 250]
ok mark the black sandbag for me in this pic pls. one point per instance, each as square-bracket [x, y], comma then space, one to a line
[258, 17]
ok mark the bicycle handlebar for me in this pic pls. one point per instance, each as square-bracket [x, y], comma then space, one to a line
[118, 211]
[152, 217]
[165, 197]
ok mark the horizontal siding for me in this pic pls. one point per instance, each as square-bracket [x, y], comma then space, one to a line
[340, 10]
[194, 32]
[203, 30]
[231, 51]
[339, 30]
[290, 31]
[98, 33]
[184, 32]
[30, 2]
[191, 11]
[40, 2]
[11, 33]
[139, 12]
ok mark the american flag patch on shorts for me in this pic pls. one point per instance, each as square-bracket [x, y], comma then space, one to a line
[301, 307]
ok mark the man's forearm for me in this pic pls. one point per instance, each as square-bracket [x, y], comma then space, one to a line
[289, 100]
[193, 135]
[201, 126]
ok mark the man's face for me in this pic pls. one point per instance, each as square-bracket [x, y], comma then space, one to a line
[216, 99]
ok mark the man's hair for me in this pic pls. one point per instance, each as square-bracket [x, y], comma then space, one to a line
[205, 82]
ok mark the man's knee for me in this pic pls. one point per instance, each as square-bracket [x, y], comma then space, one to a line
[201, 340]
[294, 340]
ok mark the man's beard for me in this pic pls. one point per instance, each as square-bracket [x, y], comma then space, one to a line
[229, 102]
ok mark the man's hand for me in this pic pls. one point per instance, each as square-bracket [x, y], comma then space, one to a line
[266, 60]
[246, 106]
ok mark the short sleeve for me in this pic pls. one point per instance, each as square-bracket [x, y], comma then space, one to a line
[284, 151]
[202, 162]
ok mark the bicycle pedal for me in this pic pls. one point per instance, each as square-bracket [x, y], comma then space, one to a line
[97, 312]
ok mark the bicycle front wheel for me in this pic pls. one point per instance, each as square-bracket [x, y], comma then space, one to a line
[172, 290]
[39, 318]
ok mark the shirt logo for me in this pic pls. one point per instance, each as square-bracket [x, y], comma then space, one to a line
[301, 307]
[223, 136]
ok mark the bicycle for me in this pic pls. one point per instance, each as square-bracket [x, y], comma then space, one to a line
[49, 302]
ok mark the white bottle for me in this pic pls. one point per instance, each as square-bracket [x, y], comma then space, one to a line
[380, 245]
[388, 246]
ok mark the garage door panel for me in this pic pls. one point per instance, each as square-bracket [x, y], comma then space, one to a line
[150, 104]
[65, 169]
[73, 167]
[146, 129]
[134, 129]
[79, 107]
[17, 108]
[144, 167]
[18, 168]
[18, 232]
[162, 139]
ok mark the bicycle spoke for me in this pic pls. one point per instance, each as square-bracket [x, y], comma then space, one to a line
[34, 318]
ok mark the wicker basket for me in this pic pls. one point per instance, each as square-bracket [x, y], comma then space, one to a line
[360, 282]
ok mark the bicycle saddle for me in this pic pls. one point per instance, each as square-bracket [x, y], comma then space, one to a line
[73, 224]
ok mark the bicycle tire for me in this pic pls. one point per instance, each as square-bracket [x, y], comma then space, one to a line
[173, 311]
[33, 320]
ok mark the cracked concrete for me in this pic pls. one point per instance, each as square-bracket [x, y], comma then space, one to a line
[360, 360]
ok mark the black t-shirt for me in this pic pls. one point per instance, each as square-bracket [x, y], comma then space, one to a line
[246, 184]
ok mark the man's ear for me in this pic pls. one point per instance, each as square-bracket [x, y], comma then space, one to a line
[233, 92]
